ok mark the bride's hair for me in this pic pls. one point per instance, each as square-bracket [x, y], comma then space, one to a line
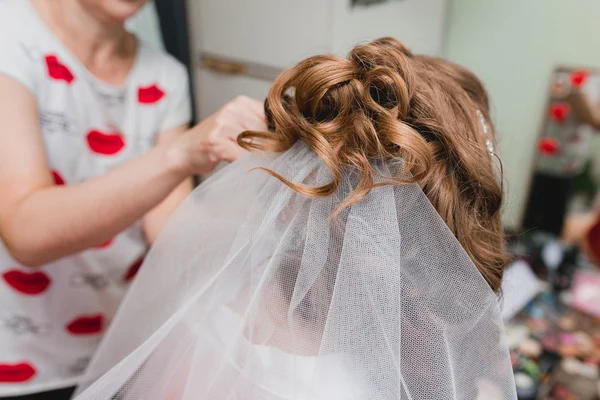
[384, 103]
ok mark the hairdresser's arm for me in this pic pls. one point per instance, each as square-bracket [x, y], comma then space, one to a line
[584, 110]
[41, 222]
[155, 220]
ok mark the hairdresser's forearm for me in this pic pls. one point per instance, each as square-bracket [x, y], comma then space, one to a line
[59, 221]
[584, 110]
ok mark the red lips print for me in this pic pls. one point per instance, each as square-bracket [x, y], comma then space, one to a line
[578, 78]
[86, 325]
[27, 283]
[559, 112]
[16, 373]
[58, 179]
[549, 146]
[57, 70]
[105, 245]
[133, 270]
[150, 94]
[107, 144]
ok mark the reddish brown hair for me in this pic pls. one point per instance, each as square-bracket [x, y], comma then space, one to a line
[382, 102]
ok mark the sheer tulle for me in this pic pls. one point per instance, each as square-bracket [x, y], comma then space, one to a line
[255, 292]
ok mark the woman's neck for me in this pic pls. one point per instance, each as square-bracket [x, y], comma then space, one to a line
[92, 39]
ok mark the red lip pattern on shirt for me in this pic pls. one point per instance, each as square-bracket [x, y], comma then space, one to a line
[107, 144]
[27, 283]
[150, 94]
[559, 112]
[86, 325]
[105, 245]
[549, 146]
[58, 180]
[57, 70]
[16, 373]
[579, 78]
[133, 270]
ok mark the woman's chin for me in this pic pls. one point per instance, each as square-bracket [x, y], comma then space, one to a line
[116, 11]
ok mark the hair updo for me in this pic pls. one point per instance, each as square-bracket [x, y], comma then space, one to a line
[383, 102]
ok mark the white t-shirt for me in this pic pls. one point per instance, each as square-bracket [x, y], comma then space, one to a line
[52, 318]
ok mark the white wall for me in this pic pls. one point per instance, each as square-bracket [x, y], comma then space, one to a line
[419, 24]
[513, 45]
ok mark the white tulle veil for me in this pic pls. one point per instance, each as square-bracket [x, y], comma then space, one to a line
[256, 292]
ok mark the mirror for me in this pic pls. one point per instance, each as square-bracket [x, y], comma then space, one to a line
[566, 171]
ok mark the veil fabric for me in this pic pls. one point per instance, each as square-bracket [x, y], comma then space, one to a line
[254, 291]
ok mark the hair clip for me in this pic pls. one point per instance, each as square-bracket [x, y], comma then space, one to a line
[486, 130]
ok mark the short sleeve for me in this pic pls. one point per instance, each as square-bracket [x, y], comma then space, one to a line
[178, 110]
[16, 59]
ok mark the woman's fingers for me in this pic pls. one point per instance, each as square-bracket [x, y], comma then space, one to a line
[229, 151]
[241, 114]
[254, 124]
[254, 106]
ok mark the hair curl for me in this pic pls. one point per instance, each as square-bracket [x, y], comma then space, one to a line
[383, 102]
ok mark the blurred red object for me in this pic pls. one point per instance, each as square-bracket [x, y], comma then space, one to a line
[579, 78]
[559, 112]
[549, 146]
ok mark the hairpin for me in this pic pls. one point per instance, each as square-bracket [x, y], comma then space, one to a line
[486, 130]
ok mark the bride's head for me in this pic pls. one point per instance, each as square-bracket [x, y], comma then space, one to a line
[384, 103]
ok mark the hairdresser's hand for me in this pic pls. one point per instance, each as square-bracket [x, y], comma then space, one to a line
[201, 148]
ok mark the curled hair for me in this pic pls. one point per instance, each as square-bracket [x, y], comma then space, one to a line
[382, 102]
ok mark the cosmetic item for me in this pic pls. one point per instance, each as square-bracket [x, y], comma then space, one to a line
[586, 292]
[530, 348]
[562, 393]
[568, 351]
[567, 323]
[550, 343]
[548, 361]
[573, 366]
[526, 386]
[568, 339]
[584, 343]
[532, 369]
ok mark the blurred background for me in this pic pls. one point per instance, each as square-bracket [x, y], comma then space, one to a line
[540, 61]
